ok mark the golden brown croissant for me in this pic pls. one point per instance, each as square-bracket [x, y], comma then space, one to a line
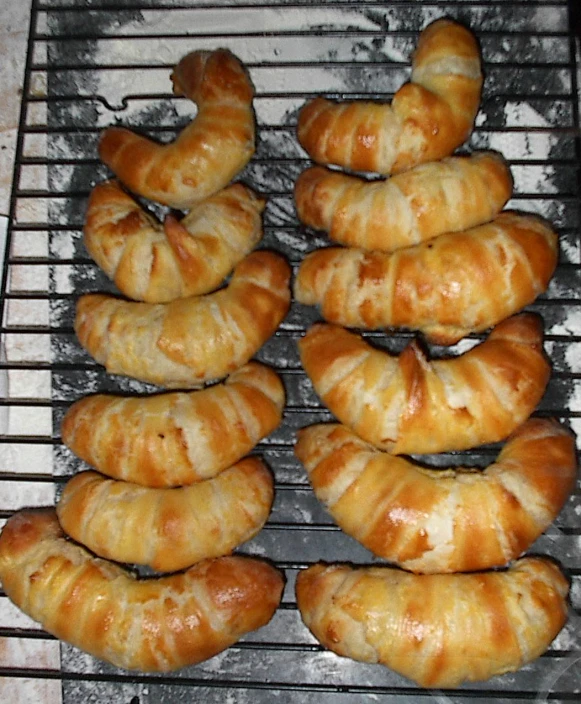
[454, 520]
[428, 118]
[438, 629]
[176, 438]
[191, 340]
[150, 625]
[167, 529]
[406, 404]
[208, 153]
[453, 285]
[155, 263]
[445, 196]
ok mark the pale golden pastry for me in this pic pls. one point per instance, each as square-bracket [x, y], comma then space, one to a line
[167, 529]
[428, 118]
[442, 520]
[157, 263]
[189, 341]
[439, 629]
[406, 404]
[451, 195]
[176, 438]
[152, 625]
[448, 287]
[208, 153]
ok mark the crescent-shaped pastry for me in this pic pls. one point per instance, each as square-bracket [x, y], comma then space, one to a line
[453, 285]
[406, 404]
[154, 263]
[448, 520]
[437, 629]
[454, 194]
[189, 341]
[167, 529]
[208, 153]
[428, 118]
[176, 438]
[158, 624]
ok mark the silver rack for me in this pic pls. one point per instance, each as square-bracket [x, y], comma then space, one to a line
[92, 63]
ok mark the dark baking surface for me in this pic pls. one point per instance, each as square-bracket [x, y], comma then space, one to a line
[95, 63]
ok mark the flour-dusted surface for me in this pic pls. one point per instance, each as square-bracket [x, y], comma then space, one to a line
[92, 66]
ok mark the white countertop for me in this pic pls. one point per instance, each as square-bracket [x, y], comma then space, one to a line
[14, 27]
[14, 21]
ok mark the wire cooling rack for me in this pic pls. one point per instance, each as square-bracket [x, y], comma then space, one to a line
[92, 63]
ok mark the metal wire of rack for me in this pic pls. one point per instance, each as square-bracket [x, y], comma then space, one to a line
[91, 63]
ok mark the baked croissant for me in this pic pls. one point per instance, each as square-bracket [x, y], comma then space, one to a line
[176, 438]
[439, 629]
[155, 263]
[406, 404]
[167, 529]
[191, 340]
[428, 118]
[444, 196]
[149, 625]
[454, 520]
[208, 153]
[453, 285]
